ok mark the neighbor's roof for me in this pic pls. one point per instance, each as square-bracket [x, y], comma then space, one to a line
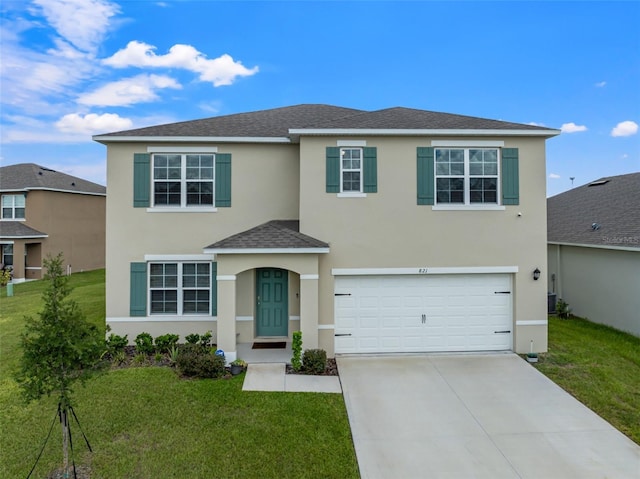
[275, 236]
[29, 176]
[605, 212]
[17, 229]
[287, 123]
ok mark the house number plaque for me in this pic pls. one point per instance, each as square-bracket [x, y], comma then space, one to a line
[423, 270]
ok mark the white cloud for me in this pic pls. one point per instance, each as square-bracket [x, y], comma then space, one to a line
[92, 123]
[553, 176]
[138, 89]
[83, 23]
[533, 123]
[572, 128]
[625, 128]
[219, 71]
[601, 84]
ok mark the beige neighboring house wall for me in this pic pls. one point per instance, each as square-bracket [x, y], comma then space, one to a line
[600, 284]
[63, 214]
[75, 224]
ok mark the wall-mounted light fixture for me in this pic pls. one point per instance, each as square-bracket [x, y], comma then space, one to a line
[536, 274]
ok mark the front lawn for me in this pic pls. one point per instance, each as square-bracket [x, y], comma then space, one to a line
[146, 422]
[598, 365]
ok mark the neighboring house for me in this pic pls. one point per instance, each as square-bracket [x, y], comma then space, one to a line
[396, 230]
[594, 250]
[45, 212]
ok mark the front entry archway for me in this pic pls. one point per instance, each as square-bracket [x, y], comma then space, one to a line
[272, 302]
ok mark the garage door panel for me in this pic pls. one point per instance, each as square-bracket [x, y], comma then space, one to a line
[461, 313]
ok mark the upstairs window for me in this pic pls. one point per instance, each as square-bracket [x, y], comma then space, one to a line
[466, 176]
[351, 170]
[13, 207]
[183, 180]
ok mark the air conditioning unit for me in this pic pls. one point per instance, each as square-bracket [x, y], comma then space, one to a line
[552, 299]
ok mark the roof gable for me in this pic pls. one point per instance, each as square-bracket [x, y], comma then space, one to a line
[273, 235]
[604, 212]
[29, 176]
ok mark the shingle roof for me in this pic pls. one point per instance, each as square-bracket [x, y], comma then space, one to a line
[17, 229]
[264, 123]
[29, 176]
[278, 121]
[401, 118]
[605, 212]
[276, 234]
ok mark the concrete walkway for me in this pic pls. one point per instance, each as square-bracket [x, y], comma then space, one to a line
[475, 416]
[273, 377]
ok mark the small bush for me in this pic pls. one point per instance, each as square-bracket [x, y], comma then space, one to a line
[116, 343]
[165, 342]
[192, 338]
[296, 349]
[197, 361]
[205, 339]
[314, 361]
[144, 343]
[562, 309]
[172, 355]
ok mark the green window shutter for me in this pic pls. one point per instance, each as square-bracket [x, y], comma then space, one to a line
[333, 169]
[141, 180]
[510, 177]
[214, 289]
[138, 295]
[223, 180]
[426, 179]
[370, 170]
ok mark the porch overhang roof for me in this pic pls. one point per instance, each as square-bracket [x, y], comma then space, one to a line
[273, 237]
[18, 230]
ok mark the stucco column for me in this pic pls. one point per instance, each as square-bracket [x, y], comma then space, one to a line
[309, 310]
[18, 262]
[227, 315]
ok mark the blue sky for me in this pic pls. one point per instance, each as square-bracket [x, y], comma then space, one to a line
[71, 69]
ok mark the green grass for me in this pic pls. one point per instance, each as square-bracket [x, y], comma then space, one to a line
[598, 365]
[148, 423]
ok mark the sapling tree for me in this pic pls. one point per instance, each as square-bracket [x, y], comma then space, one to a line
[60, 347]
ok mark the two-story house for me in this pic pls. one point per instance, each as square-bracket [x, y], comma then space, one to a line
[46, 212]
[396, 230]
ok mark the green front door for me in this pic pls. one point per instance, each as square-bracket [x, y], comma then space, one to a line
[272, 303]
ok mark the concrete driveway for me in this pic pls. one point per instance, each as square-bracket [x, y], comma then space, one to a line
[474, 416]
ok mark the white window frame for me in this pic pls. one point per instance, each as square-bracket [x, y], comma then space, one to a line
[6, 246]
[183, 182]
[352, 170]
[467, 204]
[180, 289]
[13, 207]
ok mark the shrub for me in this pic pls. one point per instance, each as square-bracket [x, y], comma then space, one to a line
[165, 342]
[296, 349]
[173, 354]
[197, 361]
[144, 343]
[562, 309]
[205, 339]
[5, 277]
[116, 344]
[314, 361]
[192, 338]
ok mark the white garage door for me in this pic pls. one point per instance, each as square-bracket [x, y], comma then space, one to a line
[413, 313]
